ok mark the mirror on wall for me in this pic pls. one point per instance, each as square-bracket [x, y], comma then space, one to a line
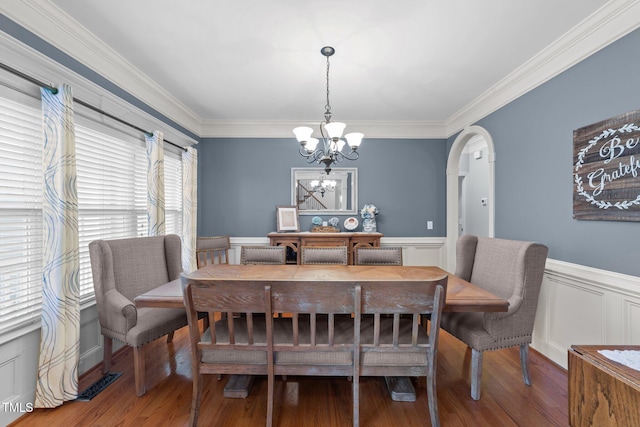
[315, 192]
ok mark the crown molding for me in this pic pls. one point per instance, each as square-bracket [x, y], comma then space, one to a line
[26, 59]
[283, 129]
[53, 25]
[611, 22]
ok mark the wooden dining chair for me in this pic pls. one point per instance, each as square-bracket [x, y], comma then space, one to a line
[324, 255]
[378, 256]
[240, 345]
[318, 337]
[212, 250]
[392, 342]
[263, 255]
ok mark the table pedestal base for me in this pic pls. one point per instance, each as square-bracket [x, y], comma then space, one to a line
[400, 389]
[238, 386]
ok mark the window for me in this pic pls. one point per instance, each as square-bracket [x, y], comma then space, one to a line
[112, 191]
[20, 211]
[112, 199]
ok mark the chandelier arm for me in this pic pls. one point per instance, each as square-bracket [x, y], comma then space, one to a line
[352, 155]
[313, 156]
[304, 152]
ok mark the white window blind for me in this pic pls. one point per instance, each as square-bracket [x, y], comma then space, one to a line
[20, 212]
[173, 192]
[112, 203]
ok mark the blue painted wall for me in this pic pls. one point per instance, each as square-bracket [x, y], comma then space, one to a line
[533, 138]
[241, 181]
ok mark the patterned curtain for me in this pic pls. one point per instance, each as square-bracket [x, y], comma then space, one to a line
[189, 208]
[60, 330]
[155, 184]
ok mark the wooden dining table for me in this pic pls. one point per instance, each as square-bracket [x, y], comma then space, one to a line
[461, 296]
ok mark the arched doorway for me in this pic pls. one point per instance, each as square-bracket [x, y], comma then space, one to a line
[453, 173]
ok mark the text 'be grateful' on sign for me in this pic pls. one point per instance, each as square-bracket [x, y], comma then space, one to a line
[606, 169]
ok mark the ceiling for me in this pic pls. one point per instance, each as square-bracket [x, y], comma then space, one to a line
[412, 62]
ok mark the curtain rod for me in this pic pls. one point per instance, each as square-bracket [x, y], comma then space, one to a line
[54, 90]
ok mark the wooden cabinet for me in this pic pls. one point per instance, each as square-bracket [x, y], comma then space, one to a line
[294, 241]
[602, 392]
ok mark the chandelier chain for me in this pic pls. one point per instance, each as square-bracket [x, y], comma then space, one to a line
[327, 112]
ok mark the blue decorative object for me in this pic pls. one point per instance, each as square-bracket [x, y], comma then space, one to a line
[316, 220]
[368, 213]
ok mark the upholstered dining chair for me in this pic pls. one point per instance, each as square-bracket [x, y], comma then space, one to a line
[212, 250]
[513, 271]
[263, 255]
[377, 256]
[324, 255]
[123, 269]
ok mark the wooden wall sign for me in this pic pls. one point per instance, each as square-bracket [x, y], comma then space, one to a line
[606, 169]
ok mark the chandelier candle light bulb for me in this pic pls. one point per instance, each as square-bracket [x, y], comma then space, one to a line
[330, 151]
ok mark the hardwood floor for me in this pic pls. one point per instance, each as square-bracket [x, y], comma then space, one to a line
[319, 401]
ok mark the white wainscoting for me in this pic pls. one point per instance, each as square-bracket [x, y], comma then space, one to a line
[584, 305]
[577, 305]
[19, 362]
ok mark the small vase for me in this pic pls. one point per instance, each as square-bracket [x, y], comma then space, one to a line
[369, 225]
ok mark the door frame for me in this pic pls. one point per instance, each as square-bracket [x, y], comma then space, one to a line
[453, 170]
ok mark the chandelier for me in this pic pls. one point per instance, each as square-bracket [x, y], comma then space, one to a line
[323, 186]
[330, 151]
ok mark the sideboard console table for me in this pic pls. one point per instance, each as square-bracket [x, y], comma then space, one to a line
[294, 241]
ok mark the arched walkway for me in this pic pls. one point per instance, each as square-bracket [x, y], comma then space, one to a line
[453, 163]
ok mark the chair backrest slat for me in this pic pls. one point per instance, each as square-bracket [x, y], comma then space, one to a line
[251, 341]
[414, 329]
[296, 329]
[396, 329]
[313, 325]
[332, 328]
